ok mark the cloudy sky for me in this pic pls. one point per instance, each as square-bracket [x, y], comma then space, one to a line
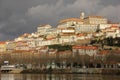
[23, 16]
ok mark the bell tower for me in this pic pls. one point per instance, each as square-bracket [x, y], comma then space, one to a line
[82, 15]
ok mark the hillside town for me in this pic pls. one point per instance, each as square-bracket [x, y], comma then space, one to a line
[75, 42]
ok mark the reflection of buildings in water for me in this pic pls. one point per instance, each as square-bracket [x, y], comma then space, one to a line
[58, 77]
[28, 77]
[15, 77]
[86, 77]
[7, 77]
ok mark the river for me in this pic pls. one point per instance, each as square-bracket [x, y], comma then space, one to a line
[58, 77]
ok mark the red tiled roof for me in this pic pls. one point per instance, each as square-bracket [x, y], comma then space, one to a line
[84, 47]
[114, 26]
[43, 47]
[71, 19]
[79, 35]
[25, 35]
[2, 42]
[104, 52]
[15, 51]
[51, 38]
[95, 17]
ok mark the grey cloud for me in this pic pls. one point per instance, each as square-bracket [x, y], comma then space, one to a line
[111, 12]
[110, 2]
[5, 37]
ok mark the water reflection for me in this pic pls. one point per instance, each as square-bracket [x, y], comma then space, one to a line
[57, 77]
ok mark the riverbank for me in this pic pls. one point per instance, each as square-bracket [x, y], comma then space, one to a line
[46, 71]
[75, 71]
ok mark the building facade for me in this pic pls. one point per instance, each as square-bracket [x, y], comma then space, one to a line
[85, 50]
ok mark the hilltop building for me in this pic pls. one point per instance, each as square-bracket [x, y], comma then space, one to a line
[82, 15]
[89, 24]
[95, 20]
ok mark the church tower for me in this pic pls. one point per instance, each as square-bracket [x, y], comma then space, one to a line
[82, 15]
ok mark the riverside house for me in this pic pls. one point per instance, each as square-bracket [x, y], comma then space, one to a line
[83, 50]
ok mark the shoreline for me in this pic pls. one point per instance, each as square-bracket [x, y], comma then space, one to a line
[111, 71]
[68, 71]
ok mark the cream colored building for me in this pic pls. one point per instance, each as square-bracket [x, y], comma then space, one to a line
[113, 31]
[95, 20]
[67, 38]
[86, 28]
[22, 45]
[10, 45]
[42, 29]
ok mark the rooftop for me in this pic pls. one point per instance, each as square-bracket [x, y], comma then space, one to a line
[71, 19]
[85, 47]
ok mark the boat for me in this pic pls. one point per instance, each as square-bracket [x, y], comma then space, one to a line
[10, 69]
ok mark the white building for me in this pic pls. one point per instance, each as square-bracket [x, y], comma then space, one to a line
[104, 26]
[22, 45]
[86, 28]
[83, 50]
[42, 29]
[113, 31]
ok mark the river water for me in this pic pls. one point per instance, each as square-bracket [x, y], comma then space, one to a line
[58, 77]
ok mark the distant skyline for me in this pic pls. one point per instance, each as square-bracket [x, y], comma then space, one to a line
[23, 16]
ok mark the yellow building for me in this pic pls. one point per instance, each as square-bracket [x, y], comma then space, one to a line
[2, 46]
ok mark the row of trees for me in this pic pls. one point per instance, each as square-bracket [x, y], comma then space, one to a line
[70, 60]
[110, 41]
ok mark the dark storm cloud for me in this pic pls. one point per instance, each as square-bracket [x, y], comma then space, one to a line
[20, 16]
[110, 2]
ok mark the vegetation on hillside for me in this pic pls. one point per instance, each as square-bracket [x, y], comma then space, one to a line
[60, 47]
[107, 41]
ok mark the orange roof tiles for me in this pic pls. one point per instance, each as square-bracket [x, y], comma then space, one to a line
[51, 38]
[95, 17]
[2, 42]
[104, 52]
[85, 47]
[26, 34]
[71, 19]
[116, 27]
[17, 51]
[79, 35]
[43, 47]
